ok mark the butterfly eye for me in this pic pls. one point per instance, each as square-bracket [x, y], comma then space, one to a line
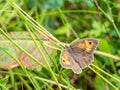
[90, 43]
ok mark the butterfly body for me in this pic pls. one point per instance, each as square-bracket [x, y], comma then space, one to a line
[79, 54]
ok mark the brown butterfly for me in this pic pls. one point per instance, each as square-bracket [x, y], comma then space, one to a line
[79, 54]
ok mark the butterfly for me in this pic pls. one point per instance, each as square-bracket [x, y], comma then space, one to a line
[79, 54]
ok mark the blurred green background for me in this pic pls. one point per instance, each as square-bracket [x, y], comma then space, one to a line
[67, 20]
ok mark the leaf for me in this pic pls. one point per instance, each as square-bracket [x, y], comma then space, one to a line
[104, 46]
[63, 30]
[99, 84]
[3, 48]
[97, 30]
[4, 81]
[52, 4]
[23, 40]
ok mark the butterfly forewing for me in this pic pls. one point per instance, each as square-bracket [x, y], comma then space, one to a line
[81, 45]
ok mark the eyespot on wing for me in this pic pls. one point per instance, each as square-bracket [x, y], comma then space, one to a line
[90, 44]
[65, 59]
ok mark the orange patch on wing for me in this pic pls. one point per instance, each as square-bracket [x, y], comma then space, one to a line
[81, 45]
[65, 59]
[88, 46]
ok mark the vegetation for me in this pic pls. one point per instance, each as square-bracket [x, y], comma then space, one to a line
[34, 32]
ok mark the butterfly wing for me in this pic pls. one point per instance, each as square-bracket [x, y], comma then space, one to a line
[67, 61]
[83, 60]
[79, 55]
[82, 51]
[76, 68]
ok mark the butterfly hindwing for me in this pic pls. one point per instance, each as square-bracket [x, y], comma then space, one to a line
[65, 59]
[83, 60]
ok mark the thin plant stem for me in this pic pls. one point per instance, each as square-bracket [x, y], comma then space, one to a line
[115, 88]
[44, 58]
[105, 73]
[111, 20]
[107, 54]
